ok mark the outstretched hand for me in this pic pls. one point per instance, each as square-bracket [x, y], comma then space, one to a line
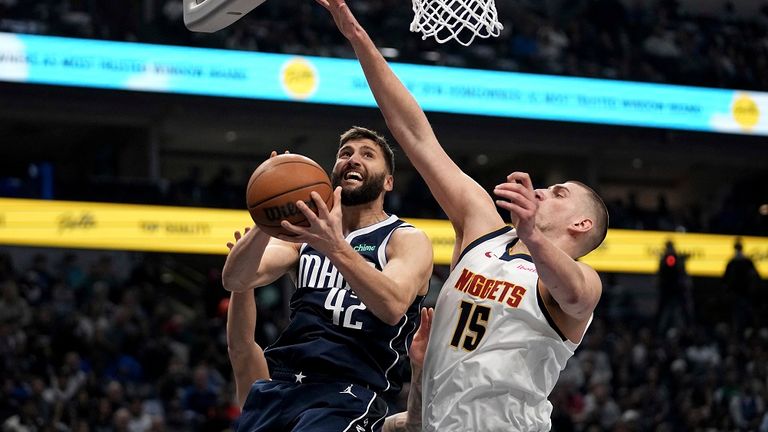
[421, 339]
[325, 232]
[519, 199]
[238, 236]
[342, 16]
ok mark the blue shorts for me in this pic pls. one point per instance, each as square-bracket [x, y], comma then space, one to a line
[279, 406]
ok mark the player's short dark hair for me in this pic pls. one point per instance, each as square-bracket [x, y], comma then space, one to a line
[357, 132]
[599, 211]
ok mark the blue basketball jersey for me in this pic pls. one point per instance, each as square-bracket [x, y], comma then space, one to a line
[332, 336]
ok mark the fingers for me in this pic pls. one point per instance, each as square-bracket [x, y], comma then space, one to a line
[295, 229]
[518, 188]
[273, 154]
[516, 197]
[516, 210]
[237, 235]
[425, 324]
[323, 3]
[322, 209]
[521, 178]
[230, 245]
[336, 200]
[308, 213]
[426, 318]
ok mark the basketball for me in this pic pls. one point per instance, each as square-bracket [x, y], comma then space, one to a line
[278, 183]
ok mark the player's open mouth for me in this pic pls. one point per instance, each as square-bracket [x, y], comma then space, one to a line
[353, 177]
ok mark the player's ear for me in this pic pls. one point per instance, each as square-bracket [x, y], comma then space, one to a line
[389, 183]
[581, 226]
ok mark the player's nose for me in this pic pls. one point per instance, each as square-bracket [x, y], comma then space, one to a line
[540, 194]
[354, 159]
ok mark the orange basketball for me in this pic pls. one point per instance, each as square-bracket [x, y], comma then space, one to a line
[276, 186]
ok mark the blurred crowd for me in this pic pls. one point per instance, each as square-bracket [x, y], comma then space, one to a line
[701, 378]
[83, 349]
[653, 40]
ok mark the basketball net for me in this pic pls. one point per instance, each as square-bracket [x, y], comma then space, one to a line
[462, 20]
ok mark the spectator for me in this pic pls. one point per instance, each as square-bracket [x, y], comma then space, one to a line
[741, 282]
[674, 308]
[13, 308]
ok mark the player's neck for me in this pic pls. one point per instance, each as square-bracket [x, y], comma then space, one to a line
[361, 216]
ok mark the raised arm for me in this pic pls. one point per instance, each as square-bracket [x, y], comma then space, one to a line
[245, 355]
[468, 206]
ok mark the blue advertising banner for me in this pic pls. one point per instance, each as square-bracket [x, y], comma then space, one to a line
[226, 73]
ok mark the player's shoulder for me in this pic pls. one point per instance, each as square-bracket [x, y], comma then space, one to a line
[407, 238]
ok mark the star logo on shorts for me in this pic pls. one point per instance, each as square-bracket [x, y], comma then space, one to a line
[300, 376]
[348, 390]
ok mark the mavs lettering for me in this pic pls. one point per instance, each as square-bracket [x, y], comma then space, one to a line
[318, 272]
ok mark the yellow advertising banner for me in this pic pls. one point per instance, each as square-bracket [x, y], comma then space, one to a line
[206, 231]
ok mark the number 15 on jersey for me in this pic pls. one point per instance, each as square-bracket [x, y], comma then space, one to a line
[473, 320]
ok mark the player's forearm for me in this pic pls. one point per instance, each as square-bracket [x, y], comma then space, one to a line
[241, 321]
[452, 189]
[380, 294]
[242, 266]
[403, 115]
[413, 419]
[561, 274]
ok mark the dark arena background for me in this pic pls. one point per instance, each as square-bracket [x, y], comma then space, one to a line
[126, 142]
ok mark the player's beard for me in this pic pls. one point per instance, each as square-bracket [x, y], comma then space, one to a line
[363, 194]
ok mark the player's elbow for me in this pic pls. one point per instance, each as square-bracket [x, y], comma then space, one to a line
[391, 319]
[577, 305]
[392, 314]
[232, 281]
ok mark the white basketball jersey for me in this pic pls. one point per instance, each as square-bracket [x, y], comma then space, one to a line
[494, 352]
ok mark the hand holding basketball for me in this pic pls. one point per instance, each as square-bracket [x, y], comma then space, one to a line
[277, 184]
[324, 232]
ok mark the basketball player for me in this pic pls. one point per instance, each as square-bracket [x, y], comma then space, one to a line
[250, 365]
[517, 303]
[361, 275]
